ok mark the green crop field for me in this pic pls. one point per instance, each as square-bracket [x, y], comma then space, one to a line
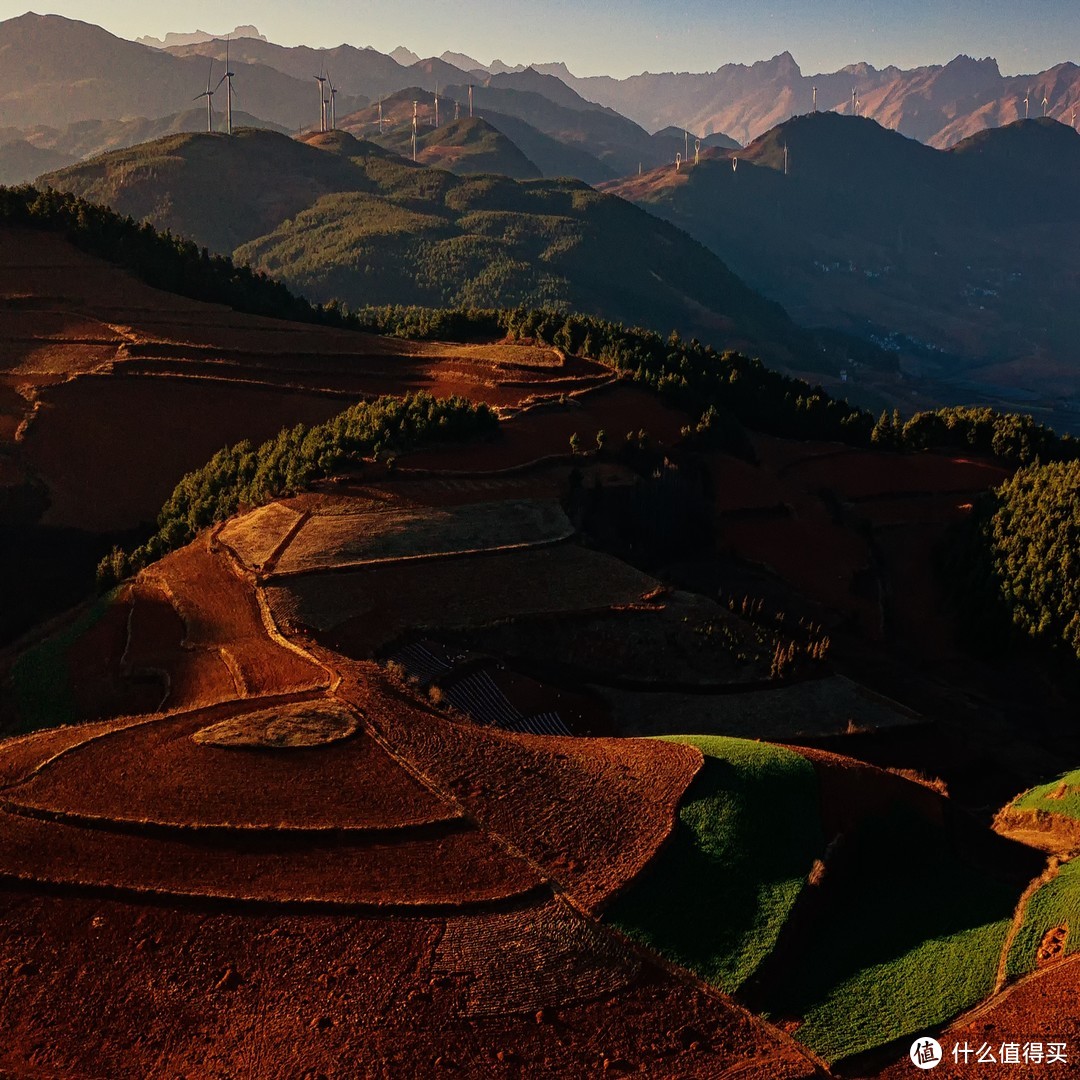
[747, 835]
[912, 938]
[1040, 798]
[1057, 903]
[40, 682]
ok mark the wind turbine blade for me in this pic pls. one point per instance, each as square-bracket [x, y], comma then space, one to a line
[210, 74]
[220, 81]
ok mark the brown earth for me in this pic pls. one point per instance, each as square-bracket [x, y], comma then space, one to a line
[113, 364]
[220, 994]
[246, 883]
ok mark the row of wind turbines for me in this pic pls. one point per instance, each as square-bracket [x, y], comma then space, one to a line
[327, 102]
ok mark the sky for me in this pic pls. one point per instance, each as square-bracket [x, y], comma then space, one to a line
[598, 37]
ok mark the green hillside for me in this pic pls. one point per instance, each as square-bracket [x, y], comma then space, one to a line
[339, 218]
[466, 146]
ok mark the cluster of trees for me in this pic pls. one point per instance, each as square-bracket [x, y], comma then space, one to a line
[1010, 437]
[245, 476]
[160, 259]
[1018, 562]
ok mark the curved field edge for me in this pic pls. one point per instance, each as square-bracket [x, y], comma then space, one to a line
[1056, 905]
[747, 834]
[1060, 796]
[910, 938]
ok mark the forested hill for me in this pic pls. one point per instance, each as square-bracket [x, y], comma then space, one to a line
[340, 218]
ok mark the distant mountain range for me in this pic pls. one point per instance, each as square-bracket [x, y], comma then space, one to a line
[340, 218]
[170, 40]
[57, 72]
[957, 260]
[936, 104]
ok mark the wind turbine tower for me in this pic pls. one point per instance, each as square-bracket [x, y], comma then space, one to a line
[333, 103]
[785, 159]
[320, 80]
[414, 104]
[1046, 104]
[436, 106]
[227, 77]
[380, 116]
[1027, 104]
[208, 94]
[815, 99]
[470, 100]
[854, 101]
[457, 110]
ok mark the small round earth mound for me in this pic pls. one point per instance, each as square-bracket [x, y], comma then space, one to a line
[293, 727]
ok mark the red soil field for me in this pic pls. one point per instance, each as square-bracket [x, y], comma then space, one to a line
[546, 430]
[170, 779]
[738, 485]
[112, 449]
[22, 756]
[279, 994]
[178, 379]
[590, 812]
[356, 612]
[861, 473]
[219, 612]
[815, 556]
[185, 678]
[448, 866]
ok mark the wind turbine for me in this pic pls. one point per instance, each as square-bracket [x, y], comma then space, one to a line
[414, 104]
[815, 99]
[208, 94]
[854, 102]
[1027, 104]
[380, 116]
[470, 100]
[1045, 104]
[785, 159]
[333, 103]
[228, 76]
[436, 106]
[321, 79]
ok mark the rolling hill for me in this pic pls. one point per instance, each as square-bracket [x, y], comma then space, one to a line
[58, 71]
[340, 218]
[950, 258]
[550, 156]
[25, 155]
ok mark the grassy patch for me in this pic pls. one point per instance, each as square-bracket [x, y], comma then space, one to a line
[1041, 798]
[748, 832]
[1057, 903]
[911, 937]
[40, 678]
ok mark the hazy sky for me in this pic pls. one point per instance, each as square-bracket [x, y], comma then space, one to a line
[630, 36]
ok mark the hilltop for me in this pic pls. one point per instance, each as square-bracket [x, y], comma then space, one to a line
[59, 71]
[505, 140]
[945, 256]
[362, 225]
